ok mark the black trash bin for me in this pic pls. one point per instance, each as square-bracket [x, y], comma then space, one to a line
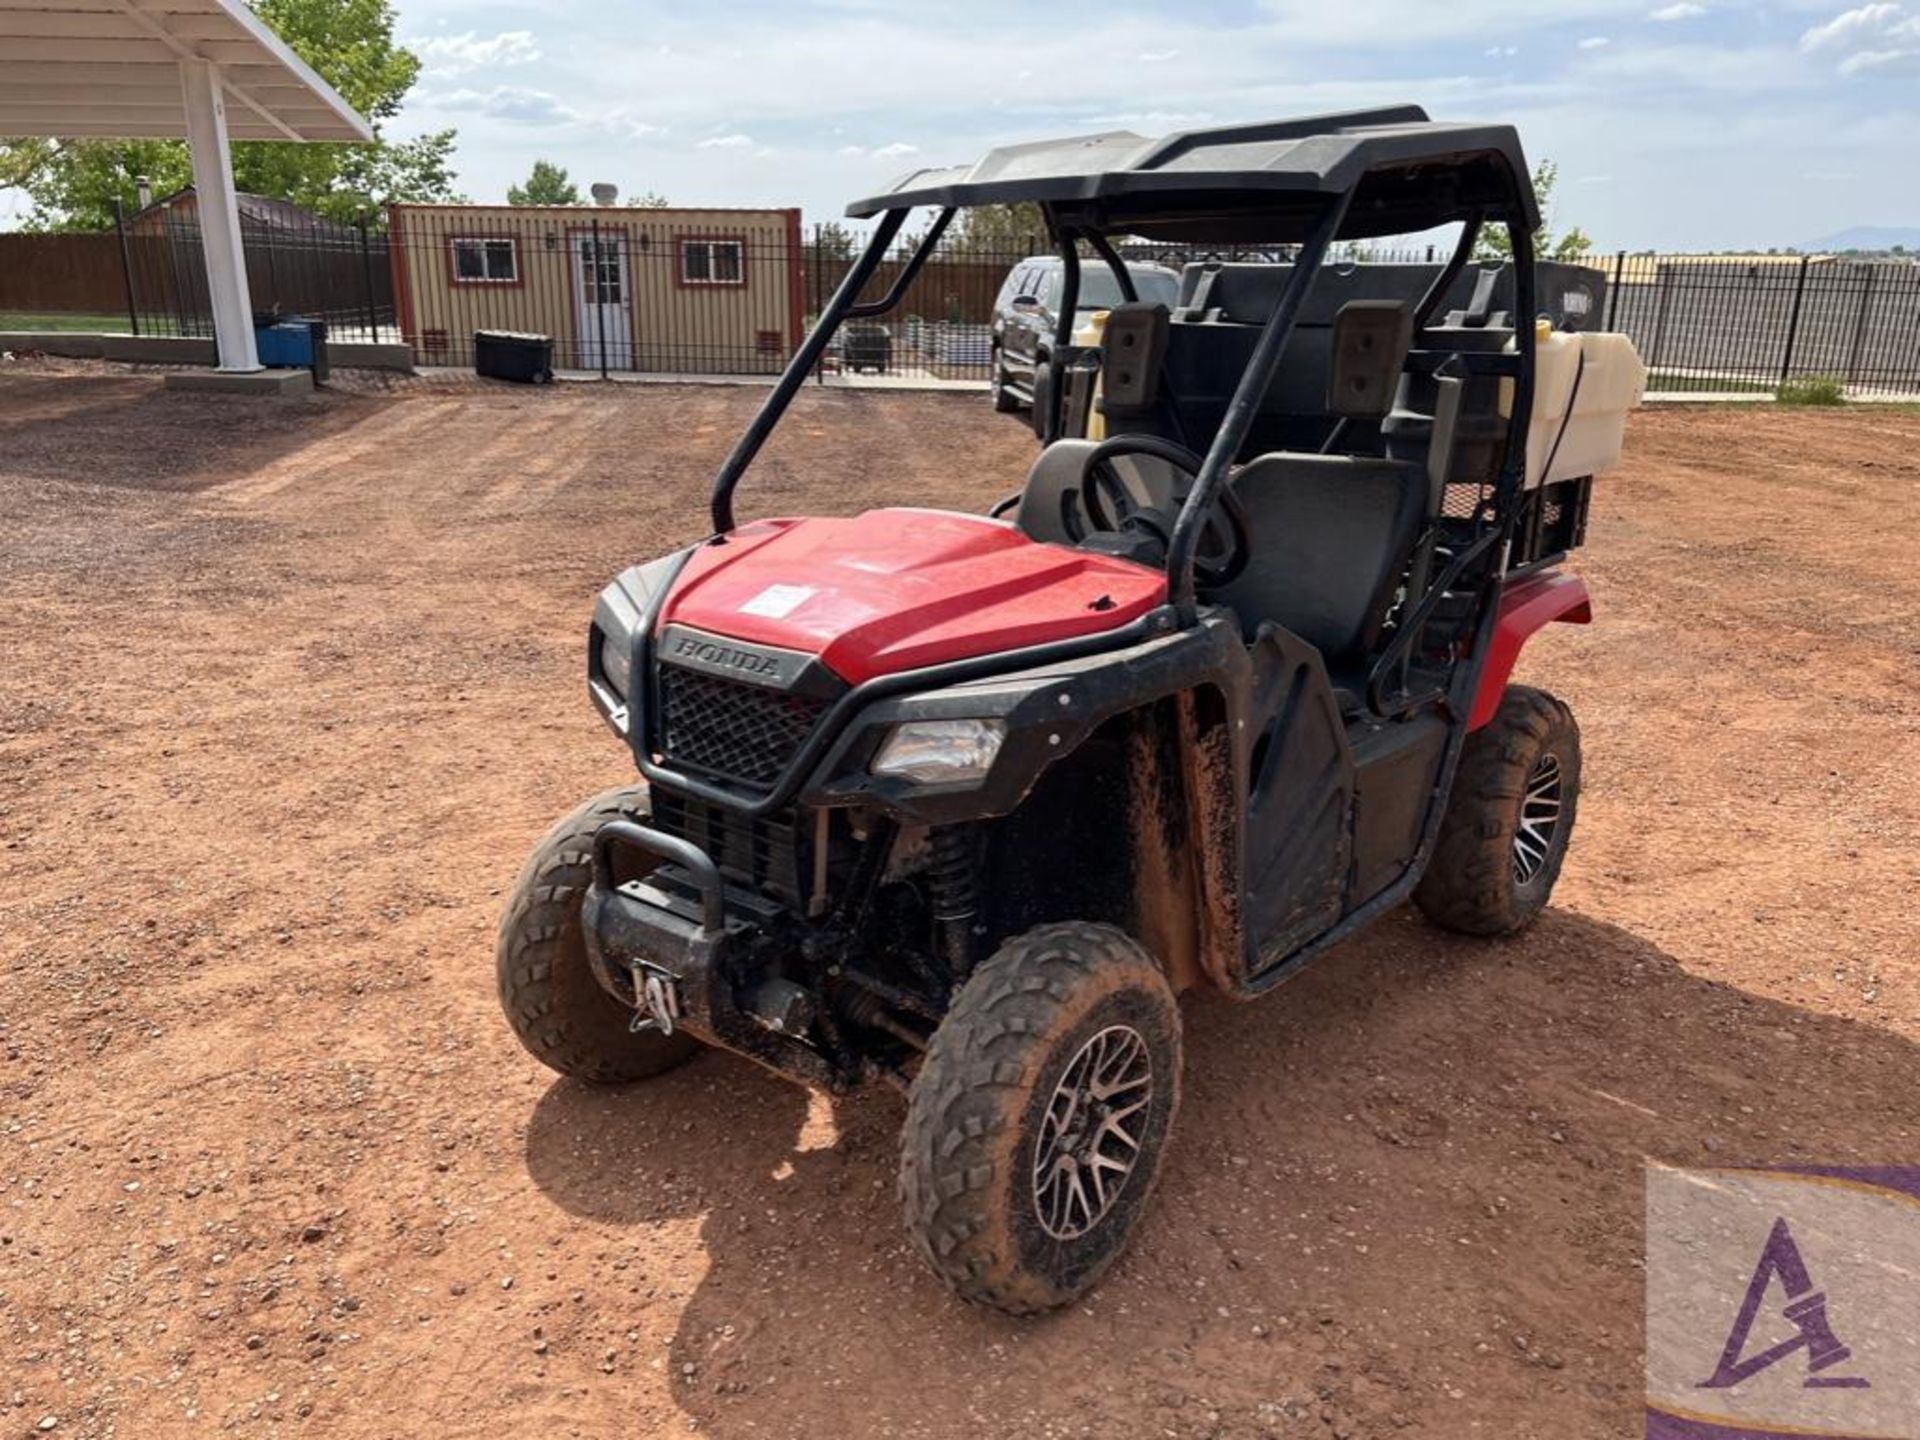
[513, 355]
[866, 347]
[322, 365]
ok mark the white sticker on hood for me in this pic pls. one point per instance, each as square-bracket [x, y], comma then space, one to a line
[776, 602]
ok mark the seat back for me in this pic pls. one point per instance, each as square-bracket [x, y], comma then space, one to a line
[1051, 508]
[1133, 348]
[1341, 359]
[1332, 537]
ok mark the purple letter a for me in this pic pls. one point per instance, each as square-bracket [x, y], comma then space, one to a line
[1806, 1308]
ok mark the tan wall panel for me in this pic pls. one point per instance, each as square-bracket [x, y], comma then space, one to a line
[673, 325]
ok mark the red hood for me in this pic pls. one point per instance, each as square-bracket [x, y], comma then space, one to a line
[894, 590]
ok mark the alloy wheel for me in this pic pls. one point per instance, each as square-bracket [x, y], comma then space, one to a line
[1090, 1136]
[1539, 819]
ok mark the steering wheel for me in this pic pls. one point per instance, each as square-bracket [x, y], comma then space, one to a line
[1224, 548]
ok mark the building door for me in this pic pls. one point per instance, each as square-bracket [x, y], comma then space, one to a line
[604, 323]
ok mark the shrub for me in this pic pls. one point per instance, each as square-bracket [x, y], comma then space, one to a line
[1812, 390]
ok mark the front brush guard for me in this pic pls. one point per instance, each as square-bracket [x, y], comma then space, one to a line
[677, 971]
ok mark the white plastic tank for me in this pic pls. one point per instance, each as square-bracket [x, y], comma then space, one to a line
[1584, 386]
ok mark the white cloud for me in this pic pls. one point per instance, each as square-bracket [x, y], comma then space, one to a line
[1685, 10]
[458, 54]
[622, 121]
[1153, 122]
[1595, 42]
[515, 103]
[540, 109]
[1411, 23]
[1872, 39]
[1705, 116]
[1853, 27]
[1883, 62]
[1685, 73]
[1158, 57]
[896, 150]
[727, 142]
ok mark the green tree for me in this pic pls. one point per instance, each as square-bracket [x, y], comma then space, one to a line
[73, 184]
[21, 160]
[831, 241]
[1496, 244]
[651, 201]
[547, 185]
[998, 231]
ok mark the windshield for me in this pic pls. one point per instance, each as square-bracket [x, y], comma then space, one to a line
[1100, 291]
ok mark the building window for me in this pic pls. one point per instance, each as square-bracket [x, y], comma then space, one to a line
[713, 262]
[483, 261]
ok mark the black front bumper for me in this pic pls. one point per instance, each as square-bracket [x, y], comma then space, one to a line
[673, 948]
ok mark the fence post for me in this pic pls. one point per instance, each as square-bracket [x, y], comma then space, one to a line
[1660, 313]
[594, 274]
[1793, 319]
[1860, 324]
[180, 299]
[1613, 290]
[126, 265]
[816, 287]
[366, 283]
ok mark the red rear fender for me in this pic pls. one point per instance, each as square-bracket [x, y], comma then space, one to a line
[1525, 606]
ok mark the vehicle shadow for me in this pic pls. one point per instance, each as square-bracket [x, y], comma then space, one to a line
[1406, 1191]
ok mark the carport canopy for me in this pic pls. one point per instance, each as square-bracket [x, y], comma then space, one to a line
[205, 71]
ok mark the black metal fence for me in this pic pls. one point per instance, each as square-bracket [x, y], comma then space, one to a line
[339, 273]
[732, 293]
[1751, 323]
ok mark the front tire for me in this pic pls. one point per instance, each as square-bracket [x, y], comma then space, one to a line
[1036, 1127]
[556, 1007]
[1508, 820]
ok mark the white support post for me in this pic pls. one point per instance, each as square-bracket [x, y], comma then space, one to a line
[219, 215]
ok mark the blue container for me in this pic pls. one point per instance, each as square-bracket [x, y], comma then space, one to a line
[287, 343]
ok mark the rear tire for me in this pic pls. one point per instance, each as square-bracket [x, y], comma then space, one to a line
[1036, 1127]
[556, 1007]
[1508, 820]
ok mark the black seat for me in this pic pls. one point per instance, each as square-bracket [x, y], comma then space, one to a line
[1332, 535]
[1051, 508]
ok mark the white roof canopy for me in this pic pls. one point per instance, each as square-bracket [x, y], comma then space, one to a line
[112, 69]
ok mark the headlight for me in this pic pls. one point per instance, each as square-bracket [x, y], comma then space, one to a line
[616, 663]
[936, 752]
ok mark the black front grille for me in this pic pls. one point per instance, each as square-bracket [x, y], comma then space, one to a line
[742, 732]
[764, 853]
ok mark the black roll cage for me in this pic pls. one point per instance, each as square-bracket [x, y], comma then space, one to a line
[1254, 381]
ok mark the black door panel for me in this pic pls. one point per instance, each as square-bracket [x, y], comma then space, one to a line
[1300, 801]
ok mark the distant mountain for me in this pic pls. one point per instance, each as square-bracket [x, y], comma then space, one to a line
[1869, 237]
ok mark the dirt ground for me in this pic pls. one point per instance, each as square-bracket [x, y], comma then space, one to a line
[289, 688]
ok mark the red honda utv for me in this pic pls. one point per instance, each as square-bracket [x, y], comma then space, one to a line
[962, 802]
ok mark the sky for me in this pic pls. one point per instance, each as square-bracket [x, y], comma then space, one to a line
[1677, 124]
